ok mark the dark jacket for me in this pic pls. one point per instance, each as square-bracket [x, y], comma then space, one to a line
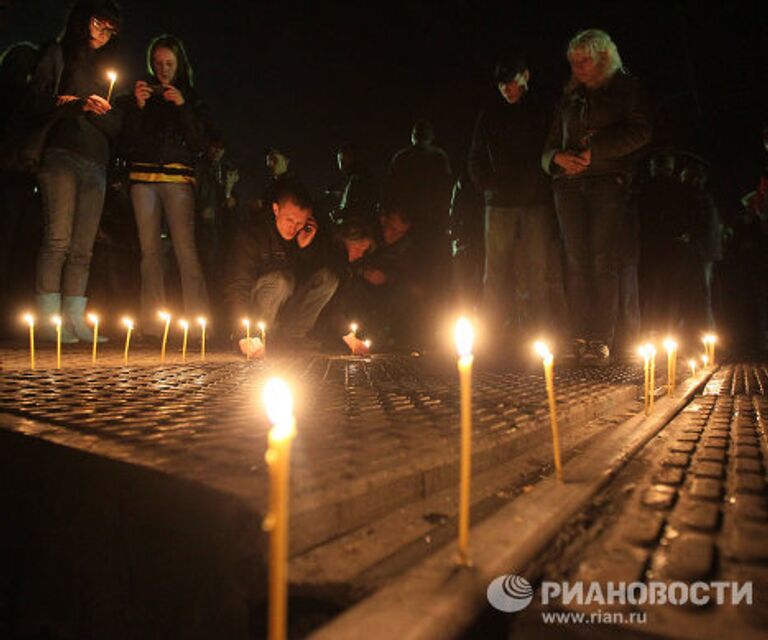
[163, 133]
[505, 155]
[419, 182]
[613, 120]
[86, 134]
[260, 249]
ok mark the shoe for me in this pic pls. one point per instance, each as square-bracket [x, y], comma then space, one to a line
[597, 354]
[49, 305]
[73, 312]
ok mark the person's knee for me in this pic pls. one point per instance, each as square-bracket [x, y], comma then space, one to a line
[325, 279]
[282, 283]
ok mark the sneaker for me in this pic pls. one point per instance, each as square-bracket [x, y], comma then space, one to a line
[597, 354]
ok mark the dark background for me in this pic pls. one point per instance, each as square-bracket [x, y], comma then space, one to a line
[306, 76]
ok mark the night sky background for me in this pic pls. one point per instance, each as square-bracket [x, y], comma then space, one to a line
[307, 76]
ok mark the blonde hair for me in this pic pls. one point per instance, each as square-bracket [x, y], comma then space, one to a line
[596, 42]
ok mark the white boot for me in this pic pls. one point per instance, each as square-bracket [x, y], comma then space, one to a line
[73, 311]
[49, 305]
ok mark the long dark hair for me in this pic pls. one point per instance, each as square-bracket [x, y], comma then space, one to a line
[185, 77]
[76, 35]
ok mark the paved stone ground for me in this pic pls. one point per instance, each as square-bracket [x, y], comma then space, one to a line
[692, 507]
[362, 422]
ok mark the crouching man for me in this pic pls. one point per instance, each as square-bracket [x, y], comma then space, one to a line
[277, 274]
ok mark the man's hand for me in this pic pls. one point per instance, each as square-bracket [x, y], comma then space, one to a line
[573, 163]
[60, 100]
[375, 276]
[96, 104]
[307, 233]
[172, 94]
[142, 93]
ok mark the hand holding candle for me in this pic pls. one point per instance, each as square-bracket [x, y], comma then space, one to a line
[128, 324]
[94, 320]
[165, 317]
[464, 337]
[279, 404]
[548, 361]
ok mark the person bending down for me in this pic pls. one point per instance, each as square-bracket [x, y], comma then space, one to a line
[276, 273]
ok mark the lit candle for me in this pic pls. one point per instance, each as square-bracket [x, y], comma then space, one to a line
[94, 320]
[112, 79]
[279, 403]
[671, 346]
[692, 365]
[247, 325]
[128, 324]
[705, 360]
[353, 329]
[367, 344]
[645, 353]
[548, 361]
[30, 320]
[201, 322]
[652, 379]
[166, 317]
[464, 338]
[57, 321]
[263, 329]
[709, 346]
[185, 326]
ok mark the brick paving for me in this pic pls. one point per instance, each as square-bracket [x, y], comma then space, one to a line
[695, 508]
[366, 426]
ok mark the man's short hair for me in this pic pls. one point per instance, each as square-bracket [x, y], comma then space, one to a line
[423, 131]
[292, 191]
[509, 64]
[354, 230]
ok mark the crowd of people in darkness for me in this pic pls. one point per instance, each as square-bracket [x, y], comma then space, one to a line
[563, 220]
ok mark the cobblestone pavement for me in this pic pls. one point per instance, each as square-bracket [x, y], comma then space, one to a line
[693, 507]
[364, 424]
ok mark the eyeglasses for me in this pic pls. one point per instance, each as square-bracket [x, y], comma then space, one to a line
[103, 27]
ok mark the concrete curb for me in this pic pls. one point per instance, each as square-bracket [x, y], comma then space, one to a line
[439, 599]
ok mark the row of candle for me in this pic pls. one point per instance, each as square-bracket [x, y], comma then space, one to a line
[648, 352]
[128, 323]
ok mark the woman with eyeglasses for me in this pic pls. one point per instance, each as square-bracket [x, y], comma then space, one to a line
[67, 93]
[165, 134]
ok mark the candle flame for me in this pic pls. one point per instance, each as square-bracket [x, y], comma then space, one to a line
[709, 339]
[353, 327]
[367, 344]
[692, 364]
[464, 337]
[246, 322]
[111, 75]
[164, 315]
[29, 319]
[184, 324]
[542, 349]
[705, 360]
[201, 321]
[56, 319]
[93, 318]
[670, 345]
[128, 323]
[279, 403]
[262, 326]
